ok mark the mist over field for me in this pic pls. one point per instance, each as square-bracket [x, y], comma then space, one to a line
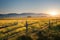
[22, 15]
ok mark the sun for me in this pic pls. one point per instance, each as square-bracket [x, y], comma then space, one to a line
[53, 13]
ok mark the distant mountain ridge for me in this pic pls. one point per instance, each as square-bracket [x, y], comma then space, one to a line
[23, 15]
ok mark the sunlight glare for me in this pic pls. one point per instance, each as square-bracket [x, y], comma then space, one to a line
[53, 13]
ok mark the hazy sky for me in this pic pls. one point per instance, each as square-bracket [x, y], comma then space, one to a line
[35, 6]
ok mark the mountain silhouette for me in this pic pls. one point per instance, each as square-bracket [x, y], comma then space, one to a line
[23, 15]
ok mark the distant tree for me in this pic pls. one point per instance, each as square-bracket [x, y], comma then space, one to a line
[29, 16]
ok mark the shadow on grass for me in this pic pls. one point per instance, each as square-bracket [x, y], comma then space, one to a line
[24, 38]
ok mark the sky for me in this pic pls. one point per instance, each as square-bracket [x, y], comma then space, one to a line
[26, 6]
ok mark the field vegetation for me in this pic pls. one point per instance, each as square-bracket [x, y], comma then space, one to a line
[30, 29]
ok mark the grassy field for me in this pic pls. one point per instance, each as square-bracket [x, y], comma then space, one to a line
[30, 29]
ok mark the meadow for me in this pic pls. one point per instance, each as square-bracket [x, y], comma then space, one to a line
[30, 29]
